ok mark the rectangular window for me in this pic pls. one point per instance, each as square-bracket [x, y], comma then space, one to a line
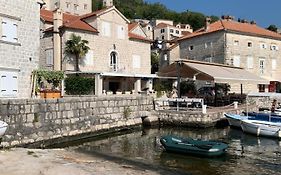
[191, 48]
[88, 58]
[76, 7]
[250, 62]
[8, 84]
[85, 6]
[236, 61]
[106, 29]
[236, 43]
[177, 32]
[274, 47]
[9, 30]
[274, 64]
[262, 66]
[165, 57]
[208, 45]
[136, 61]
[162, 30]
[49, 57]
[172, 30]
[120, 32]
[263, 46]
[67, 4]
[250, 44]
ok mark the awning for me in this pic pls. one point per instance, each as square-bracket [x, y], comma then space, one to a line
[210, 72]
[114, 74]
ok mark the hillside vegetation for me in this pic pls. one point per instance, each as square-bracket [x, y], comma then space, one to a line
[133, 9]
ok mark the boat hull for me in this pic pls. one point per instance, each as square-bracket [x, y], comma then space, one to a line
[3, 128]
[193, 147]
[235, 120]
[261, 128]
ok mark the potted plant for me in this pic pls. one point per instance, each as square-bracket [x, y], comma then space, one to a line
[48, 83]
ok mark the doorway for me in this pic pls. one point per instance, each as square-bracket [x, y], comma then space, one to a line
[114, 86]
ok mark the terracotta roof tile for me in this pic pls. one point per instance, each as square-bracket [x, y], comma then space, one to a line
[163, 25]
[95, 13]
[131, 26]
[230, 25]
[138, 37]
[69, 21]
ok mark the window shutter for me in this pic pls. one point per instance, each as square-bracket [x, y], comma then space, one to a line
[9, 84]
[250, 62]
[88, 58]
[274, 64]
[50, 57]
[236, 61]
[120, 32]
[9, 30]
[136, 61]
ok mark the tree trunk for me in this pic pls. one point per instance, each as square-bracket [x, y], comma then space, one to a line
[77, 63]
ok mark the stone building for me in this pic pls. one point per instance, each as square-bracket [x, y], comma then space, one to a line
[167, 32]
[19, 46]
[241, 44]
[76, 7]
[119, 55]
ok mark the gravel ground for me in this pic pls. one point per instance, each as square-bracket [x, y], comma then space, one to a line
[20, 161]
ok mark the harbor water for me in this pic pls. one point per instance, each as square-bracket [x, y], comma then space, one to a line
[246, 154]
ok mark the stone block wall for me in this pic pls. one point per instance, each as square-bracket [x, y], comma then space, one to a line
[22, 56]
[35, 120]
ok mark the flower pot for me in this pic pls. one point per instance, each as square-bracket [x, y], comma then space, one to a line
[50, 94]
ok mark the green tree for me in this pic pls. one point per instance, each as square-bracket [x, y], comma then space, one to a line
[154, 62]
[77, 47]
[272, 27]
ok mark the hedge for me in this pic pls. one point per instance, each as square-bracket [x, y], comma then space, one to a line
[77, 85]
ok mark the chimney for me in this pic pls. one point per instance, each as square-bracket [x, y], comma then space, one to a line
[207, 23]
[227, 17]
[58, 22]
[57, 18]
[107, 3]
[253, 22]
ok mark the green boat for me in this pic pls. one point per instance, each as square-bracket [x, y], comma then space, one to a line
[191, 146]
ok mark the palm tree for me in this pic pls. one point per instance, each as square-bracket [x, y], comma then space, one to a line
[77, 47]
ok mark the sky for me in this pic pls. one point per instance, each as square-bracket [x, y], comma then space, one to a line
[264, 12]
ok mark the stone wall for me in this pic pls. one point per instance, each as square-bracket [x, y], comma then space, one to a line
[36, 120]
[197, 119]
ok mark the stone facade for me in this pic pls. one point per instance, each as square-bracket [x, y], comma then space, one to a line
[20, 56]
[257, 53]
[262, 48]
[36, 120]
[197, 48]
[77, 7]
[131, 55]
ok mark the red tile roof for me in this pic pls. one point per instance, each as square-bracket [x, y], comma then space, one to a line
[69, 21]
[95, 13]
[131, 35]
[163, 25]
[230, 25]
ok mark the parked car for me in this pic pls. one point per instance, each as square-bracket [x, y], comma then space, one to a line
[208, 91]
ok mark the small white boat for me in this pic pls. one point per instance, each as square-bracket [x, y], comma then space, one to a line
[235, 119]
[261, 128]
[3, 128]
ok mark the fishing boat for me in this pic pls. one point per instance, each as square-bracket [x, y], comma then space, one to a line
[192, 146]
[261, 128]
[3, 128]
[270, 116]
[234, 120]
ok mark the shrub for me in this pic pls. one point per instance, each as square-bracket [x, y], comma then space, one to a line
[79, 85]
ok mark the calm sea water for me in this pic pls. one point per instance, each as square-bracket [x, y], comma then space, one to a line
[246, 154]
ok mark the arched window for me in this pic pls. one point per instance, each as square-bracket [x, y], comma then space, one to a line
[113, 61]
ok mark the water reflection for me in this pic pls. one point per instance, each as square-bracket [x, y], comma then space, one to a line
[247, 154]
